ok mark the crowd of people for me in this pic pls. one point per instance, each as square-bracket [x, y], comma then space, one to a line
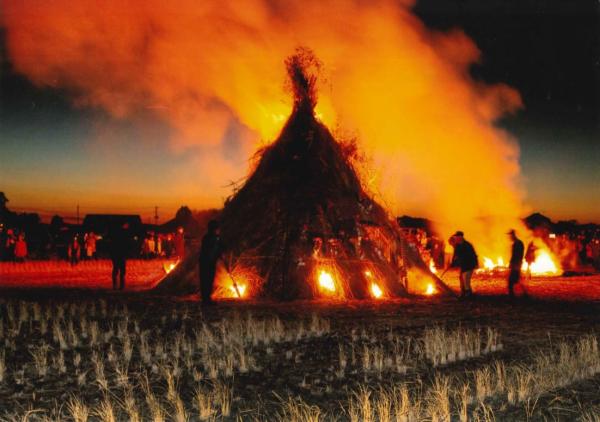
[159, 245]
[13, 245]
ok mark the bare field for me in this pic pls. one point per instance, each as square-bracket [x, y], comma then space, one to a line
[136, 357]
[95, 274]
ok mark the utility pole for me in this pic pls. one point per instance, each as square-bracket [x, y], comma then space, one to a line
[77, 214]
[156, 216]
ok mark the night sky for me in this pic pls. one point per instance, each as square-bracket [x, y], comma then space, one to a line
[547, 50]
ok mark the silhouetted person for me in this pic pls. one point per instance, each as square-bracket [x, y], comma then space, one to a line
[119, 249]
[74, 250]
[516, 261]
[530, 257]
[210, 252]
[464, 258]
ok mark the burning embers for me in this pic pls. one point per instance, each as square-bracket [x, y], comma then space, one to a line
[329, 281]
[330, 284]
[236, 281]
[326, 283]
[374, 288]
[430, 290]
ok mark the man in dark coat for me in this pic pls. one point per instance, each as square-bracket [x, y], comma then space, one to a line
[120, 242]
[464, 258]
[210, 252]
[516, 261]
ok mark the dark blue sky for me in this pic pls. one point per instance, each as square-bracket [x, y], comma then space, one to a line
[548, 51]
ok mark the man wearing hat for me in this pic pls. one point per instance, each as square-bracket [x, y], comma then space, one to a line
[516, 261]
[466, 259]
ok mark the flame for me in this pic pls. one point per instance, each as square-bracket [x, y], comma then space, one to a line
[240, 282]
[430, 290]
[239, 292]
[326, 282]
[221, 93]
[490, 265]
[376, 291]
[543, 264]
[170, 267]
[432, 267]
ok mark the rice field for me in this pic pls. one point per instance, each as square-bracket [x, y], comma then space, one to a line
[104, 357]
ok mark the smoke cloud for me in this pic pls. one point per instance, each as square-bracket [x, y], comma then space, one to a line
[214, 71]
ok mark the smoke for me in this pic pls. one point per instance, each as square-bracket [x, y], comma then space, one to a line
[205, 67]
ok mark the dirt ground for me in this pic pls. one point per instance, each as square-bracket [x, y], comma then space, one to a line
[306, 367]
[94, 274]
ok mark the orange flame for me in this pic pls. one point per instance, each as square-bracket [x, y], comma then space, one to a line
[224, 91]
[430, 290]
[169, 267]
[543, 265]
[238, 290]
[326, 282]
[432, 267]
[376, 291]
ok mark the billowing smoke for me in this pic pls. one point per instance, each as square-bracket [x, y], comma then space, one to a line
[214, 71]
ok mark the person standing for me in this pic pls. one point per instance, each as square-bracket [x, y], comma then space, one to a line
[74, 250]
[464, 258]
[210, 252]
[90, 245]
[180, 243]
[516, 262]
[119, 249]
[20, 248]
[530, 257]
[11, 240]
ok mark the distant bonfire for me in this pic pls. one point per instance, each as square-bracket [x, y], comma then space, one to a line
[302, 225]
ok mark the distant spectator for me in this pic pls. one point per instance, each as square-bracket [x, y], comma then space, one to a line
[20, 248]
[180, 243]
[74, 250]
[11, 240]
[158, 239]
[530, 257]
[90, 245]
[151, 245]
[169, 246]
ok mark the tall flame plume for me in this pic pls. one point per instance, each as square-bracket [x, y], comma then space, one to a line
[213, 72]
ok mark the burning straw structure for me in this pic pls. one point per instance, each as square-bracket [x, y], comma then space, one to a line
[303, 224]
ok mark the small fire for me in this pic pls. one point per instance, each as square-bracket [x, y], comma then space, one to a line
[432, 266]
[430, 290]
[239, 292]
[170, 267]
[326, 281]
[543, 265]
[490, 265]
[376, 291]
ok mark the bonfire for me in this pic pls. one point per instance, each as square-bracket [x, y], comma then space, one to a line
[302, 226]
